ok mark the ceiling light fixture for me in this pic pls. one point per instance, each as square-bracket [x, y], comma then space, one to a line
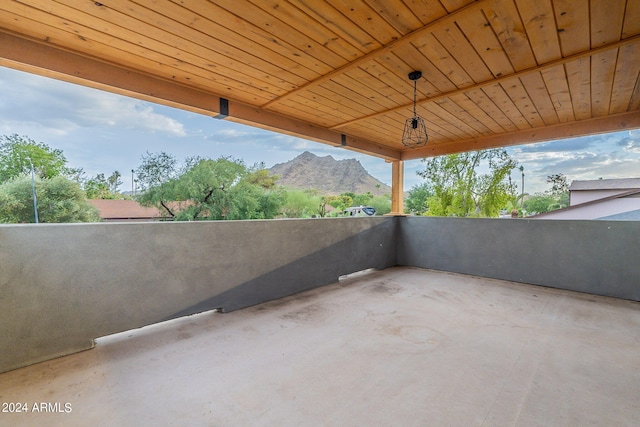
[415, 130]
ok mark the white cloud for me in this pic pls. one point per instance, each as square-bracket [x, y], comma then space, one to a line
[635, 134]
[234, 133]
[104, 109]
[632, 144]
[60, 108]
[226, 132]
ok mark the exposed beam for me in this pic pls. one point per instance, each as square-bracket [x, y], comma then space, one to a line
[412, 36]
[497, 80]
[613, 123]
[257, 117]
[50, 61]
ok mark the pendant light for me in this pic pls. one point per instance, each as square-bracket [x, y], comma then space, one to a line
[415, 130]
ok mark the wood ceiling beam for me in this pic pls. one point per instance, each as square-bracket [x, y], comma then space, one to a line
[497, 80]
[50, 61]
[412, 36]
[257, 117]
[613, 123]
[47, 60]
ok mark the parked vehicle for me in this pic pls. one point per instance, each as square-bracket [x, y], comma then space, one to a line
[359, 211]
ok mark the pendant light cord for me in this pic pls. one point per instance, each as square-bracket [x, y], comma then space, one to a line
[415, 97]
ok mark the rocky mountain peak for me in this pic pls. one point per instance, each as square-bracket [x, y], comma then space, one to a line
[328, 175]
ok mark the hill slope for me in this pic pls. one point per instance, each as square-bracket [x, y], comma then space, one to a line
[328, 175]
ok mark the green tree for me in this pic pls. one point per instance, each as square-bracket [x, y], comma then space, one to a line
[341, 202]
[539, 203]
[559, 190]
[100, 187]
[156, 169]
[261, 177]
[563, 200]
[458, 188]
[270, 202]
[114, 182]
[209, 186]
[322, 206]
[153, 177]
[208, 189]
[361, 199]
[260, 196]
[416, 201]
[557, 197]
[59, 200]
[17, 154]
[301, 204]
[381, 204]
[559, 184]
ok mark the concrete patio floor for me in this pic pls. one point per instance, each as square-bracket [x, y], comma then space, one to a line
[402, 346]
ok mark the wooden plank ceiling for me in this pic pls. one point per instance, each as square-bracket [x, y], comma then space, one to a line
[495, 72]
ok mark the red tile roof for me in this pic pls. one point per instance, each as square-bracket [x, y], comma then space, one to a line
[124, 209]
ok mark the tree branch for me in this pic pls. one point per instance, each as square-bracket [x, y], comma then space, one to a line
[167, 209]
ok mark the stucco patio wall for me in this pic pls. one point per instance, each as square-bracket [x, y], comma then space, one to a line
[596, 257]
[63, 285]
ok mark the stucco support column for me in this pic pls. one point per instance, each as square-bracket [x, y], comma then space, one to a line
[397, 187]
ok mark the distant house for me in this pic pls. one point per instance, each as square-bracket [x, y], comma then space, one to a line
[597, 189]
[125, 210]
[605, 199]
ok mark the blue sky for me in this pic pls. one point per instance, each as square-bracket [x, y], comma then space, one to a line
[102, 132]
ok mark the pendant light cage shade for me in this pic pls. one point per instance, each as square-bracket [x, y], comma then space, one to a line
[415, 129]
[415, 133]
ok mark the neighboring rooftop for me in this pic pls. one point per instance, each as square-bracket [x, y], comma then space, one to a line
[403, 346]
[122, 210]
[620, 205]
[606, 184]
[600, 198]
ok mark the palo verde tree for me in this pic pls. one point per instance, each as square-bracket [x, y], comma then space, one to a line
[460, 190]
[153, 177]
[156, 169]
[200, 189]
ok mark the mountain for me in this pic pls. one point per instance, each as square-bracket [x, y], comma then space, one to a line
[328, 175]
